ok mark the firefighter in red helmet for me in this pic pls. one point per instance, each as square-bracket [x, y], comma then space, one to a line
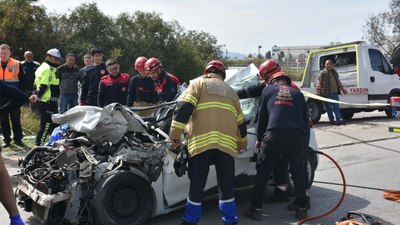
[216, 132]
[141, 90]
[282, 116]
[165, 84]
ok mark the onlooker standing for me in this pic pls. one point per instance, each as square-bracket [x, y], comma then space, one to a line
[87, 61]
[10, 73]
[90, 83]
[329, 86]
[141, 90]
[114, 86]
[47, 93]
[281, 132]
[68, 75]
[28, 78]
[216, 131]
[165, 83]
[14, 98]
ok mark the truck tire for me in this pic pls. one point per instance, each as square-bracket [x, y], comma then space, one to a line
[314, 110]
[347, 115]
[122, 198]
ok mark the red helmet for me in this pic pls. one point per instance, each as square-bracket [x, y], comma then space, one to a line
[279, 75]
[152, 65]
[268, 68]
[217, 65]
[139, 63]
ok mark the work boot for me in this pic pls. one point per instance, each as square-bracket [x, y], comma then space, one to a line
[301, 213]
[19, 143]
[278, 196]
[300, 203]
[253, 213]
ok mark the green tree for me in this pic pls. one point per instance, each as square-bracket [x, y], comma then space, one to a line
[383, 29]
[25, 26]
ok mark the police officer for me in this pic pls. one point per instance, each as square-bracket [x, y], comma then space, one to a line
[216, 130]
[165, 83]
[10, 73]
[92, 77]
[15, 99]
[141, 90]
[281, 131]
[47, 93]
[114, 86]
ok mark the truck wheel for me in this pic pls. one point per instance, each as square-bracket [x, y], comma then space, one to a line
[347, 115]
[314, 110]
[122, 199]
[311, 167]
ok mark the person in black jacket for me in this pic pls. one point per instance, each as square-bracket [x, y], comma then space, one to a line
[114, 86]
[15, 99]
[29, 67]
[68, 74]
[283, 124]
[91, 80]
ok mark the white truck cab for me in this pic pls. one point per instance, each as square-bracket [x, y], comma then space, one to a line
[365, 73]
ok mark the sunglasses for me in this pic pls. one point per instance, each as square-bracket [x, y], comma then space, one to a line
[115, 68]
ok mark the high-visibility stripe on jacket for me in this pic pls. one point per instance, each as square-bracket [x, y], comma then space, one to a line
[45, 75]
[215, 120]
[11, 72]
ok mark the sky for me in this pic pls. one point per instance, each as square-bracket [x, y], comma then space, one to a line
[243, 25]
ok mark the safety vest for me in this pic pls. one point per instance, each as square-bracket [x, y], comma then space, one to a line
[46, 75]
[11, 72]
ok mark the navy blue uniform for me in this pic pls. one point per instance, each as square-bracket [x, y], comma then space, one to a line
[165, 87]
[90, 84]
[282, 127]
[113, 89]
[141, 89]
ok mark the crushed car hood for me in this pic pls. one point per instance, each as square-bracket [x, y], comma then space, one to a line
[102, 124]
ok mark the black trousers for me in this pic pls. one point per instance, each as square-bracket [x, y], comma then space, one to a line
[46, 124]
[274, 147]
[199, 166]
[15, 118]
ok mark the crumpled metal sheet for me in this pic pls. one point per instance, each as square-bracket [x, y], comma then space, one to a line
[102, 124]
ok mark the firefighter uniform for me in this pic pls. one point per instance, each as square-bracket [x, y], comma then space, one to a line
[283, 125]
[48, 92]
[166, 86]
[10, 73]
[141, 92]
[113, 89]
[210, 111]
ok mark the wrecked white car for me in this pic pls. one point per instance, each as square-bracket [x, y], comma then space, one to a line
[113, 168]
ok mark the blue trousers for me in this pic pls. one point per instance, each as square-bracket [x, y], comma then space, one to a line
[333, 108]
[68, 101]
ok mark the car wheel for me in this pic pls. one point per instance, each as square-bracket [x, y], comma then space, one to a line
[311, 167]
[122, 198]
[314, 110]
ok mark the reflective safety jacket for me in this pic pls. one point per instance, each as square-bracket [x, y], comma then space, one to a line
[210, 111]
[47, 83]
[11, 73]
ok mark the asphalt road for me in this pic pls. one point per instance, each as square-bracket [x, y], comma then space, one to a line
[369, 156]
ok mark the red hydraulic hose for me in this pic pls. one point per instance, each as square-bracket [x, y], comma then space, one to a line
[341, 198]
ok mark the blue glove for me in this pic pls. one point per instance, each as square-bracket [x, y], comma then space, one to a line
[16, 220]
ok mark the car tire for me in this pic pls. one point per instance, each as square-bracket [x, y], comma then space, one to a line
[314, 110]
[122, 198]
[311, 167]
